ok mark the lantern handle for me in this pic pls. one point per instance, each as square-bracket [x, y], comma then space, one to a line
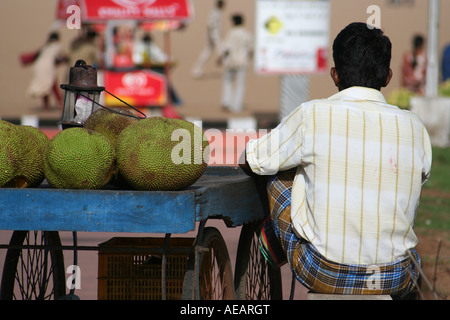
[130, 106]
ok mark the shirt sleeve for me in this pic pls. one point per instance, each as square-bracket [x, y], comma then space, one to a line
[427, 157]
[279, 150]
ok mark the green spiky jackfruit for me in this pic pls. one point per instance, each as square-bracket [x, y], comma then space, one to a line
[32, 167]
[9, 153]
[21, 155]
[110, 123]
[77, 158]
[162, 154]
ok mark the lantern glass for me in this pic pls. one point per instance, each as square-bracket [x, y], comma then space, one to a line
[78, 106]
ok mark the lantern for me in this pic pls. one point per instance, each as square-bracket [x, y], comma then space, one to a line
[82, 95]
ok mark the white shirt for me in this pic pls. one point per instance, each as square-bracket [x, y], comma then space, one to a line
[238, 46]
[362, 165]
[149, 52]
[44, 70]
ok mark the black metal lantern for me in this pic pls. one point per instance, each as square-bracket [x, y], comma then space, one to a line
[82, 95]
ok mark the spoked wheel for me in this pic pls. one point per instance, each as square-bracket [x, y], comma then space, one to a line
[214, 278]
[254, 278]
[34, 267]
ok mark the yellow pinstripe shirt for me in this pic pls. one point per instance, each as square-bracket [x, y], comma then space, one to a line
[361, 164]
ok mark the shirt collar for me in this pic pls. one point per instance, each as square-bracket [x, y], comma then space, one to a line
[359, 94]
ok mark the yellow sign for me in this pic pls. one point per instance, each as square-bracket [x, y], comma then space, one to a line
[274, 25]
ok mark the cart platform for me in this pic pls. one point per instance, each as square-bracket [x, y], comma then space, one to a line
[35, 252]
[222, 192]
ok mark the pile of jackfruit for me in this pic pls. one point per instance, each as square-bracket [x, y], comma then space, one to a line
[112, 149]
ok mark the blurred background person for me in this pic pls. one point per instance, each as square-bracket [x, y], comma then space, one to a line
[44, 80]
[148, 55]
[85, 48]
[446, 64]
[213, 41]
[237, 50]
[414, 66]
[123, 39]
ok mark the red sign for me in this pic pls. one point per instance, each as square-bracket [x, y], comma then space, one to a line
[101, 10]
[137, 88]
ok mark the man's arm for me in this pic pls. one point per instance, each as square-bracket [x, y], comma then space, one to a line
[279, 150]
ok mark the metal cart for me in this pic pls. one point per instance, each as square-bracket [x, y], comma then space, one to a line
[34, 264]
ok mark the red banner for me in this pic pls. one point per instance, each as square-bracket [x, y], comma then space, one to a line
[137, 88]
[143, 10]
[100, 10]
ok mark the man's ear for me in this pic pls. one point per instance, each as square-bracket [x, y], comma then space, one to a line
[388, 79]
[334, 76]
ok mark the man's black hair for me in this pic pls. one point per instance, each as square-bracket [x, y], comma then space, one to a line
[418, 41]
[237, 19]
[362, 56]
[54, 36]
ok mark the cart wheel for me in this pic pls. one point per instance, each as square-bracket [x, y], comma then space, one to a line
[33, 273]
[254, 278]
[216, 275]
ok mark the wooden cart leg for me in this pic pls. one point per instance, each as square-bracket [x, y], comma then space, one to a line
[210, 260]
[34, 267]
[254, 278]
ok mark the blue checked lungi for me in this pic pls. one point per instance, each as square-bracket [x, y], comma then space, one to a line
[323, 276]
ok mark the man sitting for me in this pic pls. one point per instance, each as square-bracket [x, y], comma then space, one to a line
[344, 177]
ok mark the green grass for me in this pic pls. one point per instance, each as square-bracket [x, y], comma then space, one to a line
[440, 171]
[434, 209]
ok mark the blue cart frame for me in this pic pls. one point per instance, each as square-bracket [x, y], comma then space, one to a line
[225, 193]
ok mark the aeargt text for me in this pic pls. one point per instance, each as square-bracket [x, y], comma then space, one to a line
[229, 309]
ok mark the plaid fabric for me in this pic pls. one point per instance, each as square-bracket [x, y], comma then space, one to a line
[324, 276]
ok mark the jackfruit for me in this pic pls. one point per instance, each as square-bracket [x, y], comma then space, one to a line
[162, 154]
[32, 167]
[21, 155]
[110, 123]
[9, 153]
[78, 158]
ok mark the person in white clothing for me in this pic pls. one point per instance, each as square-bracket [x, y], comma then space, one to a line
[237, 50]
[214, 37]
[148, 54]
[44, 81]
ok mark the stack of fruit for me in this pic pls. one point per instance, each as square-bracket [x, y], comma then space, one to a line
[113, 148]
